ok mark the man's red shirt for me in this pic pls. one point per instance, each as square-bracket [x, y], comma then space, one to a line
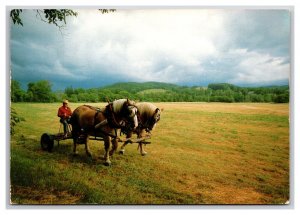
[64, 112]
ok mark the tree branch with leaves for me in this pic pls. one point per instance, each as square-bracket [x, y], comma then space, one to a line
[51, 16]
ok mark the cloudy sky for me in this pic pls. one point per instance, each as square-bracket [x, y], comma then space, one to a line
[181, 46]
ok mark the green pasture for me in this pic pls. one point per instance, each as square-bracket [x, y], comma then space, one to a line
[200, 153]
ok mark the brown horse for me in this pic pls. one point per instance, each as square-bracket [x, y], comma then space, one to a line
[90, 121]
[148, 116]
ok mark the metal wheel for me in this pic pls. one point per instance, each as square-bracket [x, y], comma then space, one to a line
[47, 142]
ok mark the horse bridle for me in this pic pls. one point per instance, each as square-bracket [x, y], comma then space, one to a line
[150, 122]
[126, 112]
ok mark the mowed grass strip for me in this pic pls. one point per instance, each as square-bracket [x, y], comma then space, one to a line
[201, 153]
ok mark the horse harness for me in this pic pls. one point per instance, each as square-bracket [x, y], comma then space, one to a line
[111, 119]
[98, 110]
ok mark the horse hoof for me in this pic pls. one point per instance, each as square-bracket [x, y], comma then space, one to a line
[107, 163]
[144, 153]
[121, 152]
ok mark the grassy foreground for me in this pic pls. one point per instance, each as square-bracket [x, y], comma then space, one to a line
[201, 153]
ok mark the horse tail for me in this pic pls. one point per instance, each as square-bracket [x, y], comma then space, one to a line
[74, 121]
[74, 117]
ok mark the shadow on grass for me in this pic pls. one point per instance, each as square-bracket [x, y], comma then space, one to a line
[57, 172]
[61, 150]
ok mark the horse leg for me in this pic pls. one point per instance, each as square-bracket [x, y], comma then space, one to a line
[122, 150]
[75, 138]
[87, 149]
[114, 146]
[107, 161]
[114, 143]
[143, 153]
[75, 152]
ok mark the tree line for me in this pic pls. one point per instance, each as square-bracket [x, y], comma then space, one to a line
[41, 91]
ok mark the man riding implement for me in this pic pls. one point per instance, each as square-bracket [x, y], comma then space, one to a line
[64, 112]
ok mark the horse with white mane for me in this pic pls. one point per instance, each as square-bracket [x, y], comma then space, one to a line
[91, 121]
[148, 116]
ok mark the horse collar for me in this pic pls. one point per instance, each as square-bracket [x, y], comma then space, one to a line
[110, 115]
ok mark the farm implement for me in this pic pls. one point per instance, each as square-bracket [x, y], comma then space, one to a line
[48, 140]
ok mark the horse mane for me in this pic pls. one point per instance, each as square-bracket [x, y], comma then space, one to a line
[146, 108]
[118, 104]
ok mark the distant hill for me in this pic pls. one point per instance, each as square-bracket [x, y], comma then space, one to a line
[134, 87]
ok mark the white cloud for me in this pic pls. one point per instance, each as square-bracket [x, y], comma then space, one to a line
[255, 67]
[138, 42]
[190, 46]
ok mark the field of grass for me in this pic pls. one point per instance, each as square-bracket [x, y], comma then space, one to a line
[201, 153]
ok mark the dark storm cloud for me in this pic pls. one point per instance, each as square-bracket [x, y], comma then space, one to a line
[261, 30]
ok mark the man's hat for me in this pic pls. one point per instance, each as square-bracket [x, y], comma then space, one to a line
[65, 101]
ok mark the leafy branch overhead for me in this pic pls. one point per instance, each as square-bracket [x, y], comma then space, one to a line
[103, 11]
[56, 16]
[51, 16]
[15, 16]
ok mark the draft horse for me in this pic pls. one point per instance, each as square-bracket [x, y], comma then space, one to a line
[89, 121]
[148, 116]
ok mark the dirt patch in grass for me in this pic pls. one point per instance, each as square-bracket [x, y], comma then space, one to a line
[235, 195]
